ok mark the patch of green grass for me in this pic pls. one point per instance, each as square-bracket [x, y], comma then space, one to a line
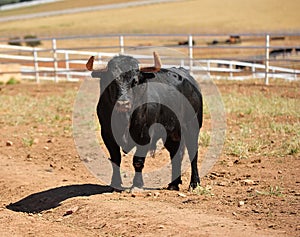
[52, 110]
[12, 81]
[271, 191]
[292, 146]
[204, 138]
[199, 190]
[256, 146]
[246, 129]
[261, 124]
[238, 149]
[28, 141]
[284, 128]
[259, 105]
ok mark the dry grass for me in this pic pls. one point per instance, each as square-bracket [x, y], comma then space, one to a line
[190, 16]
[66, 4]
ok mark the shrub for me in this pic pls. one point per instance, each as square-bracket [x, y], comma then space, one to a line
[12, 81]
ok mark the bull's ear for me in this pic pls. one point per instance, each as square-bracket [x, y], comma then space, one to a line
[148, 75]
[97, 74]
[145, 76]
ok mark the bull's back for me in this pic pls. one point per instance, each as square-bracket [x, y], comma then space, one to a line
[183, 82]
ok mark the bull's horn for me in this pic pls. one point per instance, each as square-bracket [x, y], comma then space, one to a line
[157, 61]
[157, 64]
[90, 65]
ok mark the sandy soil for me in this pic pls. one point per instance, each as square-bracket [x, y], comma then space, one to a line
[45, 189]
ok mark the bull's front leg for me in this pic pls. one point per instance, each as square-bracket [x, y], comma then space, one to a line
[116, 180]
[115, 158]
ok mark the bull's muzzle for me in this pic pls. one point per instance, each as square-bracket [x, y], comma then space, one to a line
[123, 105]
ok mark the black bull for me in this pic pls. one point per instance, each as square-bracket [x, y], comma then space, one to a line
[137, 107]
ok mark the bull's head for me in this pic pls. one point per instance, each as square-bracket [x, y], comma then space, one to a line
[119, 76]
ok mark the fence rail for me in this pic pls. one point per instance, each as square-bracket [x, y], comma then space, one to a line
[67, 63]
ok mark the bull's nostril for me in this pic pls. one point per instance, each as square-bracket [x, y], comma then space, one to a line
[123, 105]
[123, 102]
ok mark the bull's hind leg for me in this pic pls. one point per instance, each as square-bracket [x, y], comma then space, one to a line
[176, 153]
[191, 139]
[138, 164]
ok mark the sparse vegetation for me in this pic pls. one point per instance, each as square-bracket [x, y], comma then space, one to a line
[238, 148]
[12, 81]
[199, 190]
[270, 116]
[204, 138]
[271, 191]
[53, 111]
[28, 141]
[255, 176]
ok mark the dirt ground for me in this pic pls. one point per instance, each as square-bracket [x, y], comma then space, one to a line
[45, 189]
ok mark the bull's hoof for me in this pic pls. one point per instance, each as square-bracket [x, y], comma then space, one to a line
[173, 187]
[138, 182]
[134, 190]
[137, 185]
[194, 185]
[117, 188]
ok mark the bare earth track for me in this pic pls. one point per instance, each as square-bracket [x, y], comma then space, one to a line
[45, 190]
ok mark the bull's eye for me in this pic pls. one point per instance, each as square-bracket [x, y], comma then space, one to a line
[133, 83]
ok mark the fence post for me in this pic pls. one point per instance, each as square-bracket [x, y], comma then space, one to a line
[191, 51]
[231, 69]
[67, 66]
[36, 66]
[208, 68]
[99, 56]
[253, 72]
[121, 40]
[267, 59]
[54, 59]
[182, 63]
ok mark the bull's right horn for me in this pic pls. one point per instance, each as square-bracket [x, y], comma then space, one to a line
[90, 65]
[157, 64]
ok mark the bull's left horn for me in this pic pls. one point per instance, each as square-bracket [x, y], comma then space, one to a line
[90, 65]
[157, 64]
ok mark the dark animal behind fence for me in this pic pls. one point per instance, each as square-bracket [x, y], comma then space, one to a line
[186, 42]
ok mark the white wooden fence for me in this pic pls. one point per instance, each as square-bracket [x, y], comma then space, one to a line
[68, 64]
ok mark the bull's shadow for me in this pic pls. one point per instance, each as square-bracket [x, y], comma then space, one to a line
[52, 198]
